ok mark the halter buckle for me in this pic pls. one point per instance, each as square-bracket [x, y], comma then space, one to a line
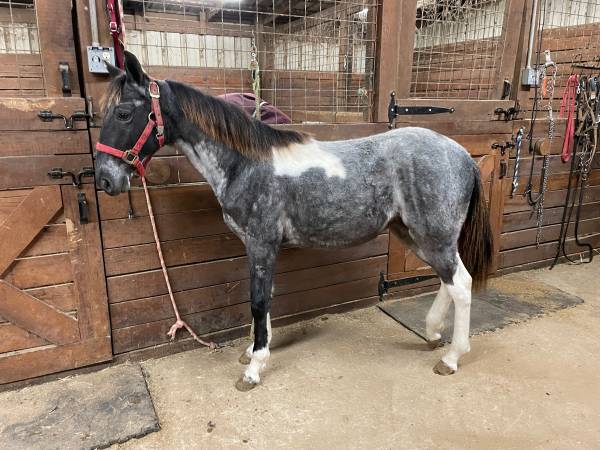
[130, 158]
[154, 90]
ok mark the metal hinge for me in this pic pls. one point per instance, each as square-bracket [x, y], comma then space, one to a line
[394, 110]
[385, 285]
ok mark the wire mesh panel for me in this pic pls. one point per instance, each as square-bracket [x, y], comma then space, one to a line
[570, 13]
[21, 73]
[457, 48]
[315, 58]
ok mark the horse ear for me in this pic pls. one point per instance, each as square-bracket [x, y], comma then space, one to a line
[134, 70]
[113, 71]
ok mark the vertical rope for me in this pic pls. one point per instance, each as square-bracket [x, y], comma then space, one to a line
[178, 323]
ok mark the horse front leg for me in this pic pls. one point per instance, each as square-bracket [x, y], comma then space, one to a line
[262, 261]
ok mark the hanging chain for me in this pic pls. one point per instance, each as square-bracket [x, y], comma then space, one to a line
[540, 204]
[548, 84]
[255, 74]
[515, 178]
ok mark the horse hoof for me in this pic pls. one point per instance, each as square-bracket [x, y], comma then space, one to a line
[243, 385]
[434, 344]
[441, 368]
[244, 359]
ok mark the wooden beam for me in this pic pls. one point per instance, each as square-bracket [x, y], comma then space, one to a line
[395, 37]
[88, 267]
[406, 31]
[511, 43]
[26, 221]
[35, 316]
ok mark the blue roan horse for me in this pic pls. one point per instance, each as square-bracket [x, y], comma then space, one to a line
[279, 187]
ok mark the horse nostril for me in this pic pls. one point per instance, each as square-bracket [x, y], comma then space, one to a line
[105, 184]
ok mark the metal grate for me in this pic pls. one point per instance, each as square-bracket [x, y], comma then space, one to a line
[457, 48]
[316, 58]
[21, 73]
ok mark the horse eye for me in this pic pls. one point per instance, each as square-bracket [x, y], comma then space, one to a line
[123, 115]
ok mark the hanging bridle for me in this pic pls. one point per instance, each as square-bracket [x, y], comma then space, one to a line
[131, 156]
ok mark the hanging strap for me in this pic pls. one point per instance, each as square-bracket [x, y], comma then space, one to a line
[568, 104]
[113, 9]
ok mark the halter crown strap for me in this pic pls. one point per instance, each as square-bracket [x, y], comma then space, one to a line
[155, 121]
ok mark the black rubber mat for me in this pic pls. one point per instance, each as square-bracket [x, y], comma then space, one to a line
[507, 300]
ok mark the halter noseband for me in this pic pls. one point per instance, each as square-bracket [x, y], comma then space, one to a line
[131, 156]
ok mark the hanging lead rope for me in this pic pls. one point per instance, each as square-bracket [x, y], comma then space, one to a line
[178, 323]
[255, 74]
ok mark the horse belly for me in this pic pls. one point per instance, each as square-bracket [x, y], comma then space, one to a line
[333, 226]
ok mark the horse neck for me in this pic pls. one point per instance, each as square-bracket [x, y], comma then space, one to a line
[218, 164]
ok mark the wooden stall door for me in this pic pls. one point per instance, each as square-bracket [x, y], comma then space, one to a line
[53, 304]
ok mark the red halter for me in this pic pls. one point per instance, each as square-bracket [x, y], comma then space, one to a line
[131, 156]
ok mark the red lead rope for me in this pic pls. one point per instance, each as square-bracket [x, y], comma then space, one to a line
[568, 103]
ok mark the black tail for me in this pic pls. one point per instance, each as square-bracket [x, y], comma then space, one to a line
[476, 245]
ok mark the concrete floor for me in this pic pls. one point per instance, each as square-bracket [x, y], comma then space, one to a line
[360, 380]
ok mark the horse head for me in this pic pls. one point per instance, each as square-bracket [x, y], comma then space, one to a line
[133, 127]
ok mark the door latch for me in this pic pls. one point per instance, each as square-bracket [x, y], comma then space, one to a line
[503, 169]
[509, 113]
[503, 146]
[394, 110]
[63, 68]
[84, 208]
[57, 173]
[47, 115]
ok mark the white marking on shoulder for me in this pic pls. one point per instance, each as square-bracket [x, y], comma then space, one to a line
[206, 163]
[296, 159]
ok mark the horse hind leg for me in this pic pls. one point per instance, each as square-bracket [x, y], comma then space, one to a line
[456, 287]
[434, 322]
[459, 290]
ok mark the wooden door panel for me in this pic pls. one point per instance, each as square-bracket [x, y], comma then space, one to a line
[53, 304]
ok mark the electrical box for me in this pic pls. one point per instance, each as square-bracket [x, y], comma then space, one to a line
[530, 77]
[97, 56]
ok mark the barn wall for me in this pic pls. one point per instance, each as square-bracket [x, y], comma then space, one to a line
[518, 250]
